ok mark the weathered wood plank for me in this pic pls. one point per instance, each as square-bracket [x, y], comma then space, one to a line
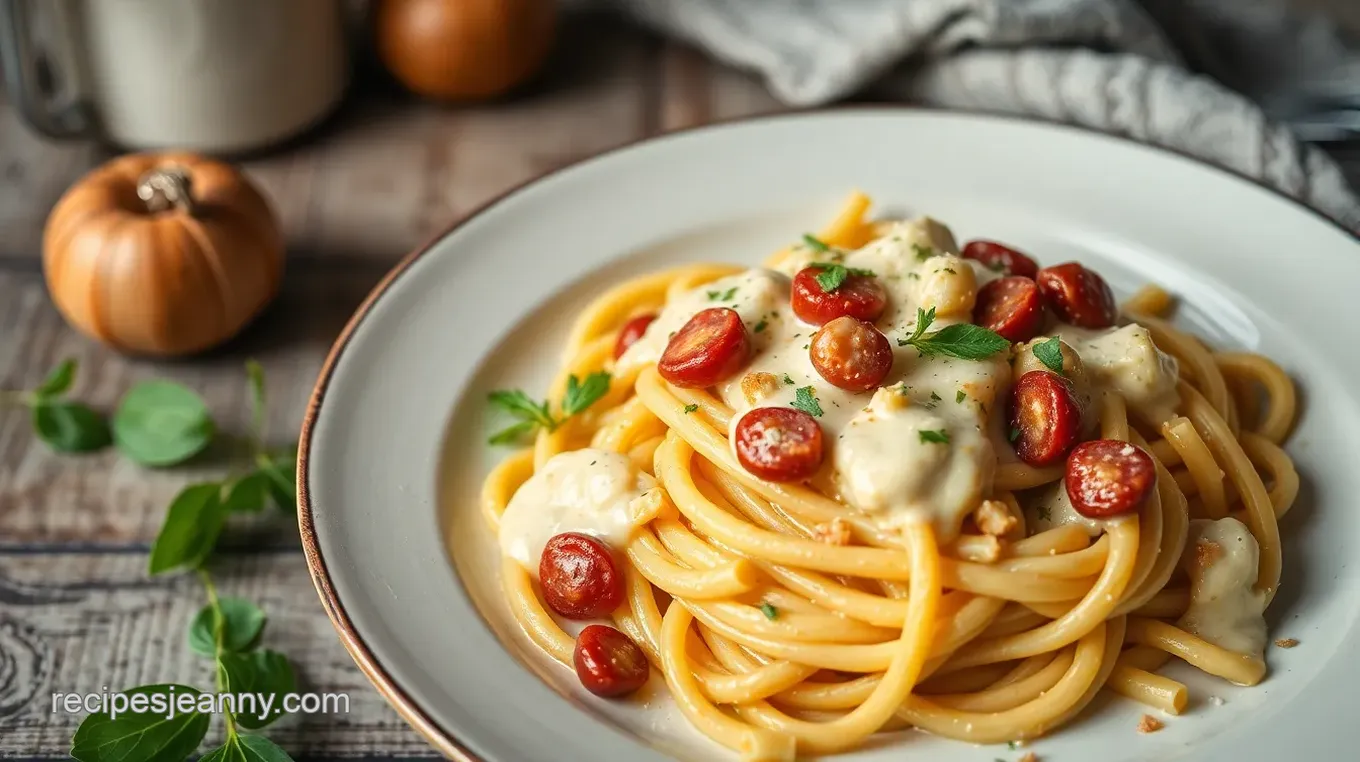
[93, 622]
[46, 498]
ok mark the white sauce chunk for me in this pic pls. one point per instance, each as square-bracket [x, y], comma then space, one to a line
[1221, 558]
[595, 492]
[1126, 360]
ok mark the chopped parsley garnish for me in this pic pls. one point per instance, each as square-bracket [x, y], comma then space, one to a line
[722, 296]
[690, 408]
[788, 380]
[962, 340]
[935, 397]
[1015, 433]
[950, 270]
[805, 399]
[814, 243]
[762, 325]
[1050, 354]
[533, 414]
[914, 276]
[1045, 513]
[960, 396]
[832, 275]
[934, 437]
[769, 610]
[922, 252]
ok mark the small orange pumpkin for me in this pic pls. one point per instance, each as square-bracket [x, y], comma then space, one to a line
[460, 50]
[162, 254]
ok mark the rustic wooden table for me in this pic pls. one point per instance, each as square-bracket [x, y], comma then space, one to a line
[77, 610]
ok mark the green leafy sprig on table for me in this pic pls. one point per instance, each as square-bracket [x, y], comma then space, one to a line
[160, 424]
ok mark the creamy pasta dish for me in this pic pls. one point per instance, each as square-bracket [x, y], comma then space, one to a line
[885, 481]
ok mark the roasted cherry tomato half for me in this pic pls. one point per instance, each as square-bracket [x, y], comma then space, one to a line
[1107, 478]
[851, 354]
[609, 663]
[859, 296]
[711, 347]
[1046, 417]
[1002, 258]
[632, 331]
[1011, 307]
[1078, 295]
[779, 444]
[579, 577]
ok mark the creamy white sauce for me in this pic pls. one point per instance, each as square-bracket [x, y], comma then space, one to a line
[1221, 559]
[1126, 360]
[595, 492]
[881, 464]
[1050, 506]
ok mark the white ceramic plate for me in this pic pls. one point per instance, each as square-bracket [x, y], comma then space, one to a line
[393, 446]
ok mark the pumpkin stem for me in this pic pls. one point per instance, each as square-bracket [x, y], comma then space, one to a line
[165, 188]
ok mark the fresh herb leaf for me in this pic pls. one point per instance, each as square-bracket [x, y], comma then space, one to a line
[531, 415]
[191, 527]
[162, 423]
[146, 736]
[805, 399]
[934, 437]
[1045, 512]
[832, 275]
[761, 326]
[1015, 433]
[962, 340]
[513, 433]
[281, 473]
[814, 243]
[960, 396]
[788, 380]
[263, 673]
[769, 610]
[1050, 354]
[58, 381]
[70, 426]
[582, 394]
[935, 397]
[690, 408]
[247, 748]
[721, 296]
[922, 252]
[713, 295]
[247, 494]
[242, 623]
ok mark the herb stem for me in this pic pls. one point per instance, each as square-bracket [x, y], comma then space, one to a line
[219, 627]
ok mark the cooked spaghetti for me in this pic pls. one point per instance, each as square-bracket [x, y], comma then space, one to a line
[1034, 495]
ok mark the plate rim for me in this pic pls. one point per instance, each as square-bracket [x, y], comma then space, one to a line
[443, 740]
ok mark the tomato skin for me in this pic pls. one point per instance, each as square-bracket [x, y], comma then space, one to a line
[1107, 478]
[608, 663]
[1000, 257]
[579, 577]
[1012, 307]
[860, 296]
[779, 444]
[851, 354]
[631, 332]
[1078, 295]
[711, 347]
[1045, 411]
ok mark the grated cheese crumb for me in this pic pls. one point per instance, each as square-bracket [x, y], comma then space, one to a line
[1287, 642]
[993, 517]
[1216, 701]
[757, 386]
[1149, 724]
[835, 533]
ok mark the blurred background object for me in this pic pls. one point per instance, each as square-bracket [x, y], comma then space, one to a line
[223, 76]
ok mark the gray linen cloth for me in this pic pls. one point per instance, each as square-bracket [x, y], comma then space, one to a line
[1240, 83]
